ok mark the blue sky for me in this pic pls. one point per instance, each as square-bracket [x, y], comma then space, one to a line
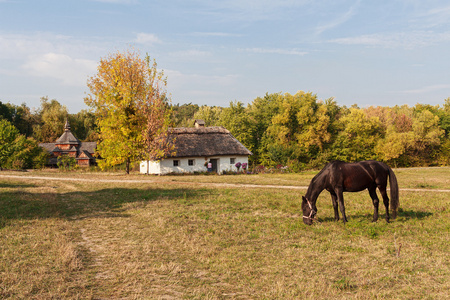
[385, 52]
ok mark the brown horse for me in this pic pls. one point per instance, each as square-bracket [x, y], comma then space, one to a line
[338, 177]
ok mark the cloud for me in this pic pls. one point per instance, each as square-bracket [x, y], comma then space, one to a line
[190, 54]
[407, 40]
[147, 38]
[428, 89]
[70, 71]
[15, 46]
[249, 10]
[201, 87]
[341, 19]
[275, 51]
[216, 34]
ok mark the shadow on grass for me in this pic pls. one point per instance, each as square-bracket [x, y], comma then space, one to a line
[9, 185]
[403, 215]
[412, 214]
[105, 203]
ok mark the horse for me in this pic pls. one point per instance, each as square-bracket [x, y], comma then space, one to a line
[338, 177]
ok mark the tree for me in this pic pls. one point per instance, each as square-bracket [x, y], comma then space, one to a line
[183, 115]
[17, 151]
[129, 100]
[19, 116]
[235, 119]
[83, 126]
[66, 162]
[209, 114]
[51, 119]
[260, 114]
[8, 134]
[357, 141]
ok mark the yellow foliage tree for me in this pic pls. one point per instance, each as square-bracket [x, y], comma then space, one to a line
[128, 97]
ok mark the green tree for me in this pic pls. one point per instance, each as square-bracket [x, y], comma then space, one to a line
[8, 134]
[425, 136]
[209, 114]
[19, 116]
[183, 115]
[83, 126]
[17, 151]
[51, 118]
[358, 140]
[260, 113]
[235, 119]
[128, 97]
[66, 162]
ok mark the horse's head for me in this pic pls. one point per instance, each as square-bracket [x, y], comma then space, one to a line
[309, 211]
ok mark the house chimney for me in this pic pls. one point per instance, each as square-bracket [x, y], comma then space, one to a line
[199, 123]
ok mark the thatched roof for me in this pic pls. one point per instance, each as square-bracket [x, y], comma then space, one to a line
[205, 141]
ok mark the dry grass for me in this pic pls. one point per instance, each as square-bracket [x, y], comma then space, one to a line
[169, 240]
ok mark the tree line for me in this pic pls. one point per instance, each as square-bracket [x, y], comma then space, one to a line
[300, 131]
[282, 130]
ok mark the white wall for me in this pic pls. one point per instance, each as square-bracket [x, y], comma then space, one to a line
[166, 166]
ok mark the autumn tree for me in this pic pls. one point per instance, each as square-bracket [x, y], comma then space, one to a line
[359, 137]
[129, 100]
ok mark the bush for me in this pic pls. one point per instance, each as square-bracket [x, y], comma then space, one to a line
[66, 162]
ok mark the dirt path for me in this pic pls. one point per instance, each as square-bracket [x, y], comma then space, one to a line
[225, 185]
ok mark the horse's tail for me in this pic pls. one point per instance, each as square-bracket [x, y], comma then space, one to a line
[394, 193]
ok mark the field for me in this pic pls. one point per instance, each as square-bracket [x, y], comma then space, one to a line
[110, 236]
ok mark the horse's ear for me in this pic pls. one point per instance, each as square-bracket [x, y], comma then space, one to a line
[304, 199]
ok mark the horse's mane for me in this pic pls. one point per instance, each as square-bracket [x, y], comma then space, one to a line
[318, 179]
[327, 166]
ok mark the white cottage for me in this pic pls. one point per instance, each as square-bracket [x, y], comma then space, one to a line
[195, 147]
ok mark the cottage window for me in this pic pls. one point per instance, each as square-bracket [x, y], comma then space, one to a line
[176, 163]
[191, 162]
[232, 160]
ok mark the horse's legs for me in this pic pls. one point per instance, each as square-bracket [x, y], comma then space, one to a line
[340, 198]
[373, 195]
[335, 205]
[385, 200]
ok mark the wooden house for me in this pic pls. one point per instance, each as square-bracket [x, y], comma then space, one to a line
[196, 147]
[68, 144]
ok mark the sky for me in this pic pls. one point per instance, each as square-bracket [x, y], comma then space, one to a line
[369, 53]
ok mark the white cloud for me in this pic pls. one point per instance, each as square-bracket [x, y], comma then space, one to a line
[215, 34]
[14, 46]
[340, 19]
[275, 51]
[249, 10]
[201, 87]
[147, 38]
[407, 40]
[190, 54]
[70, 71]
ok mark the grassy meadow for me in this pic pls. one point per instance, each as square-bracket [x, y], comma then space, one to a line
[110, 236]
